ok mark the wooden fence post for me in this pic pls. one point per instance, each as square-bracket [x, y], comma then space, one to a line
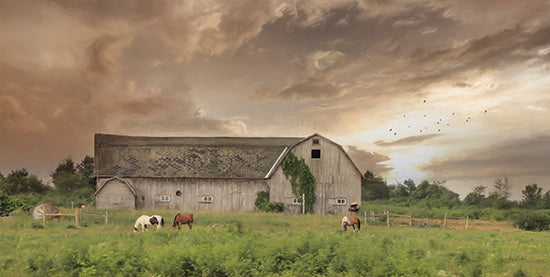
[467, 218]
[411, 220]
[445, 221]
[388, 218]
[76, 221]
[106, 216]
[372, 214]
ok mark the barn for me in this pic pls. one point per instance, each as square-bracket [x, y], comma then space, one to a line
[219, 173]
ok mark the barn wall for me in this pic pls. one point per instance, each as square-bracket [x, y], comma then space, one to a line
[114, 194]
[280, 190]
[335, 175]
[227, 194]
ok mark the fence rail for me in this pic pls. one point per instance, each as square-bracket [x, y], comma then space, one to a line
[76, 221]
[105, 214]
[421, 221]
[76, 215]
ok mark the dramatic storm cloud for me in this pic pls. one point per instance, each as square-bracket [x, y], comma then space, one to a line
[420, 89]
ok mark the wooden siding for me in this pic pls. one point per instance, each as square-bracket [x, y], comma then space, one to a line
[227, 194]
[114, 194]
[335, 175]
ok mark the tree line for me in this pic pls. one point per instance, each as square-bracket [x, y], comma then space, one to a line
[73, 183]
[435, 194]
[530, 213]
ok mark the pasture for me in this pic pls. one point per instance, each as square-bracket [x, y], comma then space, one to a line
[260, 244]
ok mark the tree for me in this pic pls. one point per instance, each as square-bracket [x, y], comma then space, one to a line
[398, 191]
[87, 168]
[65, 167]
[73, 182]
[499, 198]
[411, 186]
[532, 197]
[476, 197]
[546, 200]
[20, 181]
[502, 187]
[373, 187]
[435, 195]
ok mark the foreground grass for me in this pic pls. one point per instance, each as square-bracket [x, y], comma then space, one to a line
[259, 244]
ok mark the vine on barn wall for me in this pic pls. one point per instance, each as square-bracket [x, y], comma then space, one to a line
[301, 180]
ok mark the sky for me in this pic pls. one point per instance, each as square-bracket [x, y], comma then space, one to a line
[454, 91]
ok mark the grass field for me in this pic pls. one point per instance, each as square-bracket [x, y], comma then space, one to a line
[259, 244]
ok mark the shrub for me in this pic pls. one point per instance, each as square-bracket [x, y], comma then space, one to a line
[264, 204]
[9, 204]
[532, 221]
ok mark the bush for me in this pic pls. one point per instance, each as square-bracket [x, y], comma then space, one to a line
[10, 203]
[532, 221]
[264, 204]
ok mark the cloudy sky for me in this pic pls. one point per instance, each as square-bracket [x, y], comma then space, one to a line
[428, 90]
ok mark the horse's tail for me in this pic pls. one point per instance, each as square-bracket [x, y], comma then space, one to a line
[162, 221]
[358, 224]
[136, 225]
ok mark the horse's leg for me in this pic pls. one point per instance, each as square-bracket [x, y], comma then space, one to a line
[190, 224]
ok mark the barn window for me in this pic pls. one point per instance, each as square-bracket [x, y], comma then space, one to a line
[208, 198]
[316, 153]
[296, 201]
[178, 193]
[165, 198]
[341, 201]
[315, 141]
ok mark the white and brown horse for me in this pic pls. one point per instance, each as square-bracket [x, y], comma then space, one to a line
[160, 221]
[351, 221]
[145, 220]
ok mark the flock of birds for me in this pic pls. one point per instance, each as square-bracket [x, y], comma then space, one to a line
[437, 127]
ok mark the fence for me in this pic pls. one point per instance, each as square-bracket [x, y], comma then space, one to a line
[77, 217]
[447, 221]
[105, 214]
[76, 220]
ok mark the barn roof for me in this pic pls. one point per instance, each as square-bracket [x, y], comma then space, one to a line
[188, 157]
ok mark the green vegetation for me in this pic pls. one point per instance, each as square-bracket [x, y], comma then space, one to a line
[264, 204]
[301, 180]
[262, 244]
[72, 184]
[433, 199]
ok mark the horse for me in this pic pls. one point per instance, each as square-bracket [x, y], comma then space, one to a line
[145, 220]
[180, 219]
[351, 221]
[160, 221]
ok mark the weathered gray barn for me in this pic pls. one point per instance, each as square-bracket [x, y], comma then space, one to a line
[219, 173]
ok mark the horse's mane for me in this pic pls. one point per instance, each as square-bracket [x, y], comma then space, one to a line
[175, 217]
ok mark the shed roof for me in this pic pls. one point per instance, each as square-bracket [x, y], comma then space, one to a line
[188, 157]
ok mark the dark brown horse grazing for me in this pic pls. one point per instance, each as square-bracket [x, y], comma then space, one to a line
[180, 219]
[351, 221]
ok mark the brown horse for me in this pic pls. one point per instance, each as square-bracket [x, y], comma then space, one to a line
[351, 221]
[180, 219]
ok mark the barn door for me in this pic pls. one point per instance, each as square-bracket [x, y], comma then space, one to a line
[243, 200]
